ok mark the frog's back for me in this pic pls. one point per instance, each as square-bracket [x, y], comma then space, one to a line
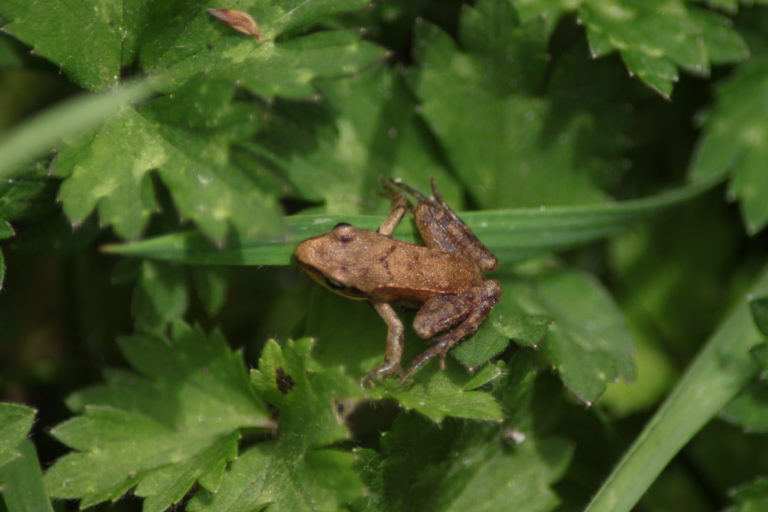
[414, 273]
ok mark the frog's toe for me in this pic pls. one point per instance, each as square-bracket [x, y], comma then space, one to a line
[370, 378]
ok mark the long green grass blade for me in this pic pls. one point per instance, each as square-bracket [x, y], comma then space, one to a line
[21, 482]
[41, 133]
[721, 369]
[512, 235]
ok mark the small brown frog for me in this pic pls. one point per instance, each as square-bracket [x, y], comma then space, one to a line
[442, 279]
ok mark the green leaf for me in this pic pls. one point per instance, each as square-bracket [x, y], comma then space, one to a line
[654, 37]
[54, 30]
[180, 39]
[508, 320]
[724, 44]
[721, 369]
[488, 117]
[211, 286]
[461, 465]
[760, 353]
[512, 235]
[281, 66]
[749, 409]
[759, 307]
[553, 9]
[285, 69]
[38, 135]
[587, 343]
[192, 161]
[365, 129]
[109, 169]
[6, 231]
[29, 196]
[174, 423]
[351, 334]
[730, 6]
[752, 497]
[274, 475]
[298, 472]
[532, 397]
[160, 296]
[15, 423]
[21, 481]
[438, 394]
[570, 317]
[736, 142]
[10, 56]
[303, 391]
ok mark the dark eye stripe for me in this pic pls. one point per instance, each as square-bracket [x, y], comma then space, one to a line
[334, 284]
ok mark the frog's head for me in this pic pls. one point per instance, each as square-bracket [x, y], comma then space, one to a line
[332, 259]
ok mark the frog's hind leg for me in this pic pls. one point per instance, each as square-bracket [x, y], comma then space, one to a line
[470, 310]
[440, 227]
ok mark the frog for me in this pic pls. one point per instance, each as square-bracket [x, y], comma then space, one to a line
[443, 279]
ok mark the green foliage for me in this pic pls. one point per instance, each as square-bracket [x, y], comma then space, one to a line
[490, 117]
[107, 168]
[458, 466]
[21, 479]
[735, 142]
[722, 368]
[15, 422]
[301, 470]
[583, 141]
[6, 231]
[653, 37]
[512, 234]
[751, 498]
[174, 423]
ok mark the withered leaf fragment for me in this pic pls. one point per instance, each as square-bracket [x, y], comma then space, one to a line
[238, 20]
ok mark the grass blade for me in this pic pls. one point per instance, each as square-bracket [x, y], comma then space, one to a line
[512, 235]
[38, 135]
[721, 369]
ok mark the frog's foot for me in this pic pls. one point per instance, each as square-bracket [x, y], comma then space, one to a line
[397, 182]
[382, 371]
[440, 348]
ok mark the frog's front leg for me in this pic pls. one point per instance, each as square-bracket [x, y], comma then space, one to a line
[400, 206]
[439, 313]
[395, 342]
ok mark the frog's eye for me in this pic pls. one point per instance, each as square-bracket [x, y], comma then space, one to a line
[344, 232]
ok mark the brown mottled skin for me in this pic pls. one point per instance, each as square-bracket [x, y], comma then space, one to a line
[443, 279]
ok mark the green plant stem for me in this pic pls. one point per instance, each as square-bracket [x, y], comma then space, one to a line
[721, 369]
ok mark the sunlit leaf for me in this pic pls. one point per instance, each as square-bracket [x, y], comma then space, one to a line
[299, 471]
[173, 423]
[735, 142]
[15, 423]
